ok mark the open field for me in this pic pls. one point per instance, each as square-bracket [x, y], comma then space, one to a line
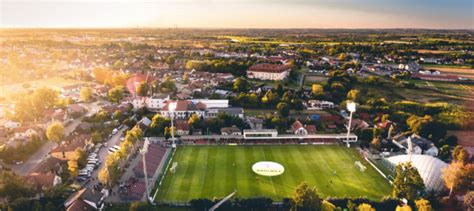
[311, 79]
[216, 171]
[53, 83]
[462, 71]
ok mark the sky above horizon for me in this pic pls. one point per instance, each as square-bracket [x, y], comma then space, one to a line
[436, 14]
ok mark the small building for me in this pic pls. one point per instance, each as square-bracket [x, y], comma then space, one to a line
[231, 131]
[319, 105]
[85, 199]
[420, 145]
[65, 151]
[43, 181]
[24, 132]
[182, 127]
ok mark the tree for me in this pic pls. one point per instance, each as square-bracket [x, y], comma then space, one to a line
[143, 89]
[168, 85]
[104, 176]
[86, 94]
[403, 208]
[116, 94]
[365, 207]
[317, 89]
[37, 206]
[327, 206]
[80, 156]
[341, 57]
[49, 206]
[13, 186]
[444, 152]
[408, 183]
[73, 167]
[306, 198]
[96, 137]
[353, 95]
[241, 85]
[55, 132]
[469, 201]
[283, 109]
[185, 78]
[423, 205]
[457, 176]
[194, 120]
[158, 124]
[460, 155]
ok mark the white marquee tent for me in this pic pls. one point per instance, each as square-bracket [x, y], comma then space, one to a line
[428, 166]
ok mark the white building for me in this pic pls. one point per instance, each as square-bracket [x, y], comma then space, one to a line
[268, 72]
[319, 105]
[154, 102]
[186, 108]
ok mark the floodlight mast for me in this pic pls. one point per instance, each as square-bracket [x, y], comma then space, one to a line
[351, 107]
[171, 109]
[143, 151]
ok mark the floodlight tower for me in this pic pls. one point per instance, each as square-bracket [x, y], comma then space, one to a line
[171, 109]
[143, 151]
[351, 107]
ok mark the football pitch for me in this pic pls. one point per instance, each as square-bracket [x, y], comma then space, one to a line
[216, 171]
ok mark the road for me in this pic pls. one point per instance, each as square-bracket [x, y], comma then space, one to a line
[103, 152]
[41, 154]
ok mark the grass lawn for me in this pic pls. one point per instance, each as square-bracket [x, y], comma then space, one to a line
[216, 171]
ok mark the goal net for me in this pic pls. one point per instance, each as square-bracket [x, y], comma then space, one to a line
[360, 166]
[173, 167]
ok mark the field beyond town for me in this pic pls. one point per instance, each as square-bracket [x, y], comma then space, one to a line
[216, 171]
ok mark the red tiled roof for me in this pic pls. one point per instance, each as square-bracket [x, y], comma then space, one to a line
[311, 129]
[72, 143]
[80, 205]
[296, 125]
[134, 81]
[182, 125]
[181, 105]
[41, 180]
[271, 68]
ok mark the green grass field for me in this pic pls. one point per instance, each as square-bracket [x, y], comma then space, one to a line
[215, 171]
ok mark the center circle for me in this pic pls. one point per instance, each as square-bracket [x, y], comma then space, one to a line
[268, 168]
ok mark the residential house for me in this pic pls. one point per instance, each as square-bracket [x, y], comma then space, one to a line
[24, 132]
[71, 89]
[299, 129]
[50, 164]
[266, 71]
[43, 181]
[182, 127]
[65, 151]
[231, 131]
[85, 199]
[419, 144]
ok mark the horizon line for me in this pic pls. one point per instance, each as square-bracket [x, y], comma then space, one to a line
[236, 28]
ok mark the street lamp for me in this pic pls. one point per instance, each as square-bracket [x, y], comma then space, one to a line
[171, 109]
[351, 107]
